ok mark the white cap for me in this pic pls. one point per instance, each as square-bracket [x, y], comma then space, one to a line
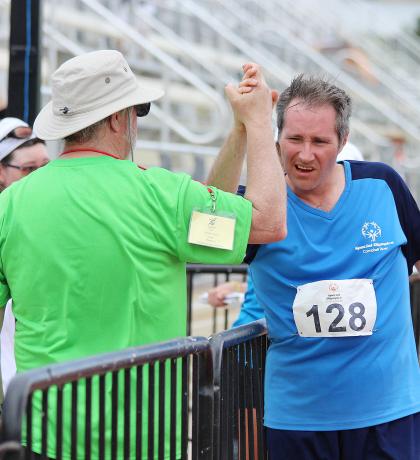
[350, 152]
[9, 144]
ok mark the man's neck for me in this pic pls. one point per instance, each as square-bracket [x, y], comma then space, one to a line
[326, 197]
[92, 149]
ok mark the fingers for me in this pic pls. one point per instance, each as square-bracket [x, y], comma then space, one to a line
[245, 89]
[252, 70]
[231, 91]
[249, 82]
[247, 85]
[215, 298]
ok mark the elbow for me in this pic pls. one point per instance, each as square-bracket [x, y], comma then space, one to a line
[279, 232]
[272, 233]
[282, 232]
[268, 227]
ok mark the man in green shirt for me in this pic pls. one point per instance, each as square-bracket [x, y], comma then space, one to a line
[92, 248]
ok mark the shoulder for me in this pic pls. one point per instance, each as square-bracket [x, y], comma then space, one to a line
[164, 179]
[381, 172]
[374, 170]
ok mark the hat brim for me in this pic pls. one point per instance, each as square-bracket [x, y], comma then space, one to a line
[10, 144]
[50, 127]
[9, 124]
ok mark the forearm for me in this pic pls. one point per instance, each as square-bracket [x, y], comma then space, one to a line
[226, 170]
[266, 187]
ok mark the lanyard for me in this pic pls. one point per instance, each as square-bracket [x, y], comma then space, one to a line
[101, 152]
[213, 199]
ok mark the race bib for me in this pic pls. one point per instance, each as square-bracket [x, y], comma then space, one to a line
[335, 308]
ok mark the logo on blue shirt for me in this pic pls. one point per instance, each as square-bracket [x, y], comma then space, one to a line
[371, 231]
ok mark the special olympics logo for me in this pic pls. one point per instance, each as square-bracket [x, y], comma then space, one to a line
[333, 287]
[371, 230]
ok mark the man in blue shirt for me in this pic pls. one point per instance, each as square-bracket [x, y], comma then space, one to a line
[342, 375]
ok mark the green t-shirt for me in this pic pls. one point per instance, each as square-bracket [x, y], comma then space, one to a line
[93, 253]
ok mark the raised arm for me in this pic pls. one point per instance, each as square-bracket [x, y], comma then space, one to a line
[226, 170]
[252, 106]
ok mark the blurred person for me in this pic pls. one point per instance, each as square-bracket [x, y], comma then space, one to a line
[21, 153]
[110, 241]
[342, 376]
[350, 152]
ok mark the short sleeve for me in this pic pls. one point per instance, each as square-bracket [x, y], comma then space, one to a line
[194, 195]
[407, 209]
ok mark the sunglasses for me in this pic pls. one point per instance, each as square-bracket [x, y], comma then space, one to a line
[142, 109]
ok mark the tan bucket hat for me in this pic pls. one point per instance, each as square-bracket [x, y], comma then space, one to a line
[87, 89]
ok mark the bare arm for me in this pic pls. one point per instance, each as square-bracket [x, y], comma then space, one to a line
[266, 187]
[417, 265]
[226, 170]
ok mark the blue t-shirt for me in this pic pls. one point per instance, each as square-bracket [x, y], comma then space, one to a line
[335, 383]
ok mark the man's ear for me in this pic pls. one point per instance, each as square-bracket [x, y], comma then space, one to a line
[117, 121]
[343, 143]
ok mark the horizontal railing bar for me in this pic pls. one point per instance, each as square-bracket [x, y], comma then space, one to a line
[240, 334]
[198, 268]
[43, 377]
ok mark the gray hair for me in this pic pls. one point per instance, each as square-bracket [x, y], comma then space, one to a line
[90, 132]
[85, 134]
[314, 91]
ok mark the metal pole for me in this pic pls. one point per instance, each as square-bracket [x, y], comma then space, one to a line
[24, 60]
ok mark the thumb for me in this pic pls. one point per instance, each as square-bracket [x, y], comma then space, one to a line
[231, 91]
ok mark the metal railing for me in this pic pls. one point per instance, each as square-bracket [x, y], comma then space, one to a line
[239, 361]
[125, 404]
[141, 398]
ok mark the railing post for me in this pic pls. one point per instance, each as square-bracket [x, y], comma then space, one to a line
[203, 393]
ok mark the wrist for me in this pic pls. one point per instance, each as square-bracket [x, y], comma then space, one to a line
[237, 286]
[239, 127]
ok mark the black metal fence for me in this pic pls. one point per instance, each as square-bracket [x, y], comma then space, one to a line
[239, 361]
[191, 398]
[126, 404]
[134, 403]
